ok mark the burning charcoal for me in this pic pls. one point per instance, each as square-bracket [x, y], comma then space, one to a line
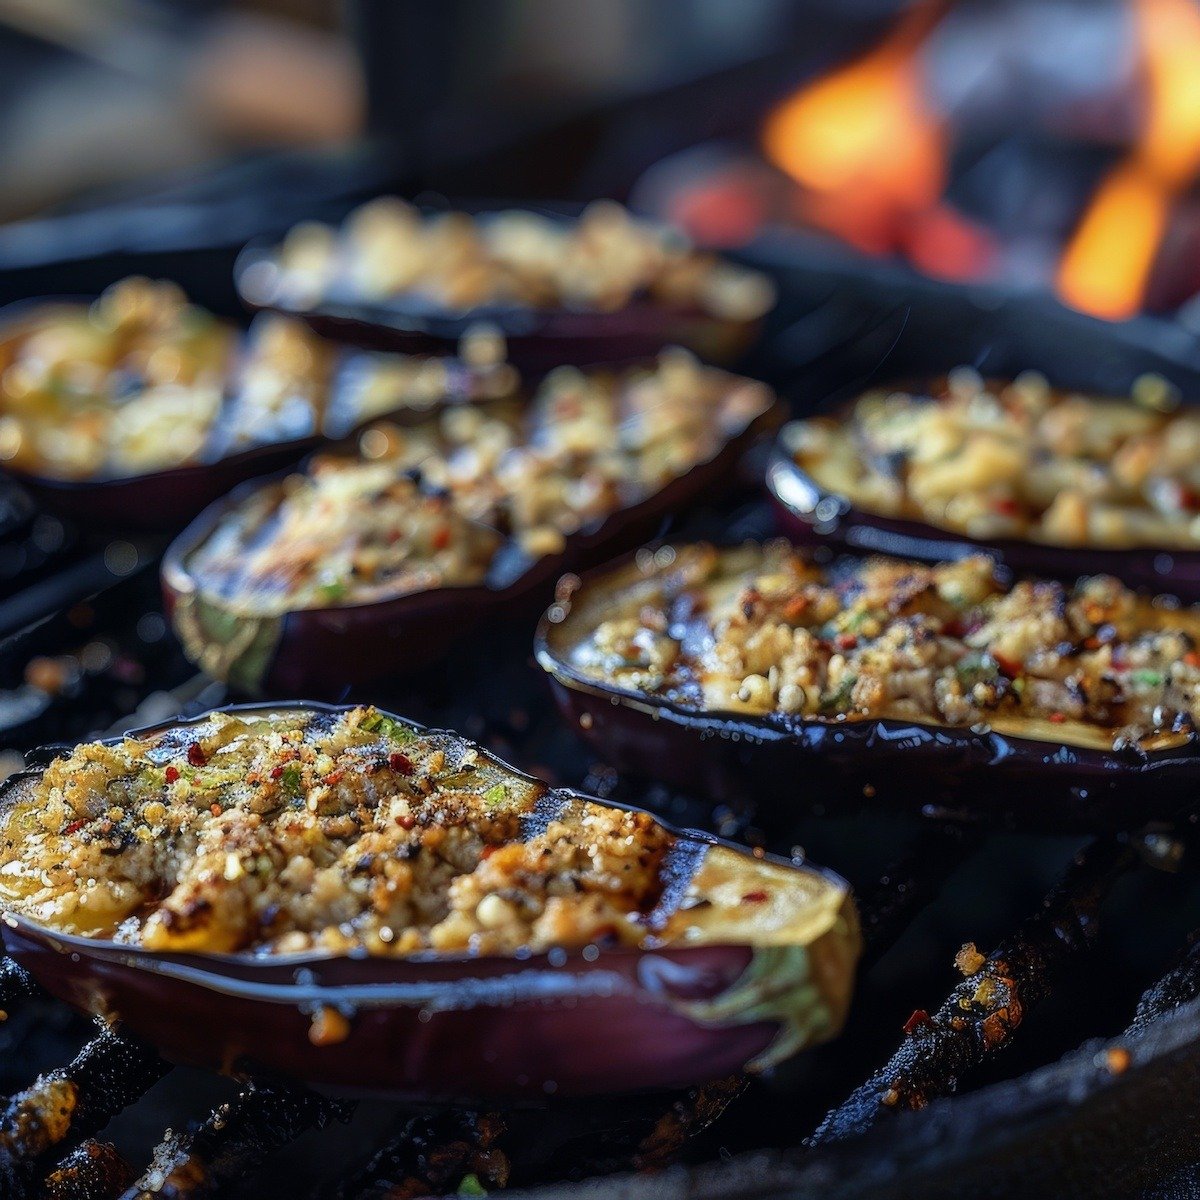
[106, 1076]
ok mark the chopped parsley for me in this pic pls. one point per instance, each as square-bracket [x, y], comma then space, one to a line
[1146, 678]
[333, 590]
[470, 1186]
[496, 794]
[291, 780]
[389, 727]
[839, 699]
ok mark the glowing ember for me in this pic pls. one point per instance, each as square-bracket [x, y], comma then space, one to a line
[1107, 265]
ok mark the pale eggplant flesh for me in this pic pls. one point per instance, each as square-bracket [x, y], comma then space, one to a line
[747, 960]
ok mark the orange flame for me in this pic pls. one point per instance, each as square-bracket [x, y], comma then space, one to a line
[863, 141]
[1106, 267]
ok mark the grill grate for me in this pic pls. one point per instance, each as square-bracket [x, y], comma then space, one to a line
[1034, 996]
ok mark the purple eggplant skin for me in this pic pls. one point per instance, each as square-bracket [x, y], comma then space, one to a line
[810, 515]
[322, 651]
[779, 763]
[537, 340]
[452, 1028]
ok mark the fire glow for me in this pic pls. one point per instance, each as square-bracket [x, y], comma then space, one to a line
[870, 152]
[1107, 264]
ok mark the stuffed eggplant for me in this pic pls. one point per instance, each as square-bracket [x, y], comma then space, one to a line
[1051, 482]
[359, 903]
[140, 408]
[756, 672]
[602, 288]
[372, 563]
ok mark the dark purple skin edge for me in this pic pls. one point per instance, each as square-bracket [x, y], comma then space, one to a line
[320, 652]
[780, 763]
[797, 496]
[433, 1027]
[537, 340]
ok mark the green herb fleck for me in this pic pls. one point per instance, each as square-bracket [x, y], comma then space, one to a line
[838, 700]
[976, 668]
[291, 780]
[496, 794]
[332, 591]
[1146, 678]
[471, 1186]
[390, 728]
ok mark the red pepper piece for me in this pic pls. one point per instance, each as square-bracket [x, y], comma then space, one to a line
[920, 1017]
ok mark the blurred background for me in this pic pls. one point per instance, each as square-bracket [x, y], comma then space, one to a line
[891, 163]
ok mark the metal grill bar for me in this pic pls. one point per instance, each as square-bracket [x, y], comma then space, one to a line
[981, 1014]
[92, 1171]
[234, 1141]
[106, 1076]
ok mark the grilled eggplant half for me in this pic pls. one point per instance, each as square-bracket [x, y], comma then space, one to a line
[362, 904]
[375, 562]
[1050, 482]
[753, 672]
[603, 287]
[138, 409]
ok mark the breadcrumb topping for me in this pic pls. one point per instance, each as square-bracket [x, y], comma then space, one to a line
[314, 832]
[1016, 460]
[766, 630]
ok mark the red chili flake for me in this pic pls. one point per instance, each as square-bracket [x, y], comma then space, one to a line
[196, 755]
[75, 826]
[276, 772]
[441, 538]
[846, 641]
[754, 897]
[334, 777]
[920, 1017]
[1192, 658]
[795, 608]
[406, 821]
[1188, 497]
[401, 762]
[1058, 718]
[1009, 666]
[215, 809]
[171, 774]
[1006, 505]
